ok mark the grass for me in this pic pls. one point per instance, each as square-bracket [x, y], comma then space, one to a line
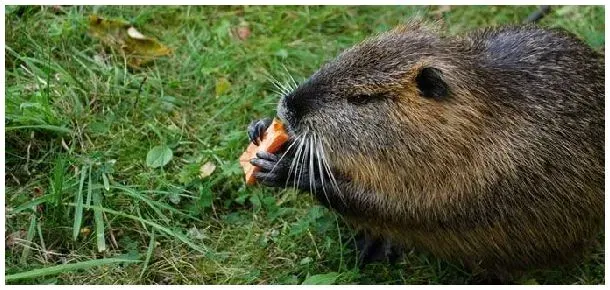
[81, 200]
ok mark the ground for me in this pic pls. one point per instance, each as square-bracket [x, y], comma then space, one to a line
[81, 198]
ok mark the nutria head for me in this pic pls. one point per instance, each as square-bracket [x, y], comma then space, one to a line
[397, 105]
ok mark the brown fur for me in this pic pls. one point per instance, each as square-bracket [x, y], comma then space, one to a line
[506, 173]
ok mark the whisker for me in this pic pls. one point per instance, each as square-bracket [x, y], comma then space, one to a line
[277, 91]
[283, 155]
[270, 103]
[295, 160]
[298, 139]
[285, 87]
[281, 88]
[320, 167]
[270, 78]
[292, 84]
[311, 164]
[333, 180]
[301, 160]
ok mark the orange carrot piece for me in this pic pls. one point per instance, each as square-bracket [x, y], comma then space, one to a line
[272, 141]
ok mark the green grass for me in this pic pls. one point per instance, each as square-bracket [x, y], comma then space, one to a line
[80, 197]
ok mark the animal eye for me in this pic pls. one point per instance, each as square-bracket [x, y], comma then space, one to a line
[361, 99]
[431, 84]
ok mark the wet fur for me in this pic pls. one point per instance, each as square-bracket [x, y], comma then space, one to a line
[503, 173]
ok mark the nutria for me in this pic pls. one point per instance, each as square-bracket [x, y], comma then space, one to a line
[486, 148]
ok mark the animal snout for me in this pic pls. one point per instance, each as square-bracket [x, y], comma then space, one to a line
[299, 103]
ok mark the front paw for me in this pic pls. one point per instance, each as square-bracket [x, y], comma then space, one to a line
[279, 170]
[257, 128]
[376, 249]
[282, 170]
[273, 169]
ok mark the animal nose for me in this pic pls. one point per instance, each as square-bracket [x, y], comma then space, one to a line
[302, 101]
[297, 106]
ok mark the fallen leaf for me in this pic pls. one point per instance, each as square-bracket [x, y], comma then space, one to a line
[119, 35]
[222, 86]
[243, 31]
[133, 33]
[206, 170]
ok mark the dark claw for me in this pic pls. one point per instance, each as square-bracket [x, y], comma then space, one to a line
[273, 171]
[267, 155]
[263, 125]
[257, 128]
[252, 136]
[264, 165]
[252, 132]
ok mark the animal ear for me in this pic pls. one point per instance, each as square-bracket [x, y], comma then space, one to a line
[431, 84]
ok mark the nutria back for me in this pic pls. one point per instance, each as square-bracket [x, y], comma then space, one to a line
[486, 148]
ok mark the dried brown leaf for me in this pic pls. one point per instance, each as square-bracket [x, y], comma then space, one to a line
[206, 169]
[243, 32]
[121, 36]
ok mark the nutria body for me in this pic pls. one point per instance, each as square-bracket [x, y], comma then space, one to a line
[486, 148]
